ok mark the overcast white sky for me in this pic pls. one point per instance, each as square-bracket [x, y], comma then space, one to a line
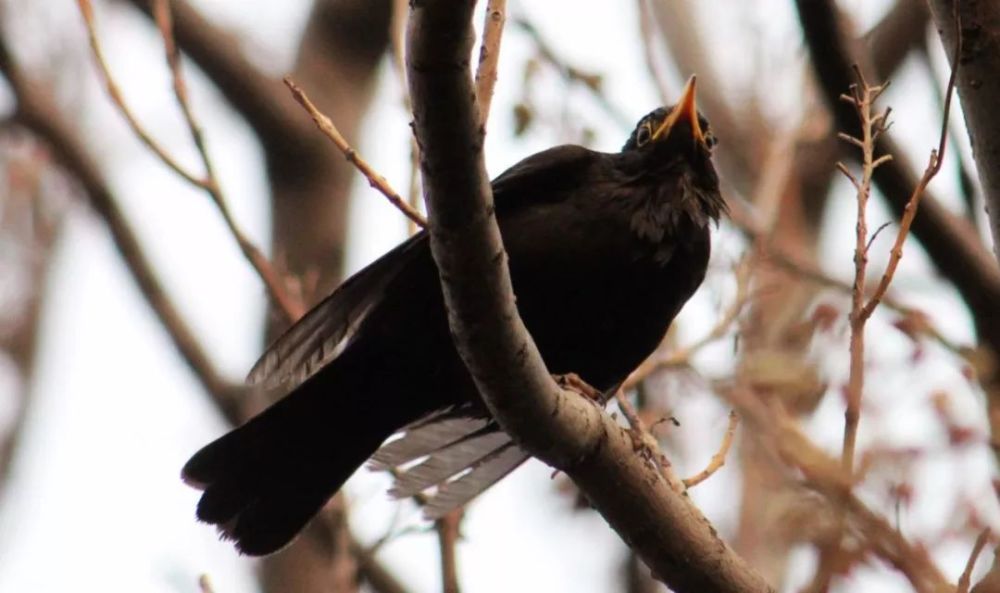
[95, 502]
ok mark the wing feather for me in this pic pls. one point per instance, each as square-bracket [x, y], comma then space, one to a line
[489, 471]
[326, 330]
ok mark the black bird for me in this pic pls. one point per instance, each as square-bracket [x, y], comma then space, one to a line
[604, 251]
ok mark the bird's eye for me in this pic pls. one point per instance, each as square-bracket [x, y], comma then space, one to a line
[643, 134]
[710, 139]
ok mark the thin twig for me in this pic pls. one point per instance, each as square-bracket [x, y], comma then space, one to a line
[933, 166]
[400, 10]
[863, 96]
[291, 309]
[965, 581]
[37, 113]
[375, 179]
[114, 91]
[570, 73]
[748, 222]
[489, 56]
[861, 311]
[448, 528]
[719, 459]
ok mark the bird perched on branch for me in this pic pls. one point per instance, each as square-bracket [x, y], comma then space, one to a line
[604, 250]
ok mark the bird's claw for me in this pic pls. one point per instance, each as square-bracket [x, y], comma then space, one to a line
[575, 383]
[645, 445]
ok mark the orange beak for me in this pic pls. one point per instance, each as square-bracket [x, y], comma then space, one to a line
[685, 110]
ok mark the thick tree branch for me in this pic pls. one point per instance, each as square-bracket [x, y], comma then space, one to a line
[978, 89]
[562, 429]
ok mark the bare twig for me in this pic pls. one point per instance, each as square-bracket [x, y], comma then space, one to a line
[209, 183]
[291, 308]
[747, 221]
[863, 97]
[951, 243]
[933, 166]
[979, 90]
[644, 442]
[573, 74]
[400, 10]
[448, 534]
[114, 91]
[38, 114]
[489, 55]
[375, 179]
[719, 459]
[964, 581]
[861, 311]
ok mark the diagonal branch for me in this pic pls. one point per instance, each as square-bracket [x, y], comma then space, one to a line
[664, 528]
[375, 179]
[208, 182]
[489, 55]
[36, 112]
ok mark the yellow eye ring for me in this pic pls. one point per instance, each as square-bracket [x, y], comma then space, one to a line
[643, 134]
[710, 139]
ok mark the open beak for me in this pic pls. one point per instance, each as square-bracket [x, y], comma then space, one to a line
[685, 110]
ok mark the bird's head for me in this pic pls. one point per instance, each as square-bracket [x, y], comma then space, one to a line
[675, 144]
[678, 129]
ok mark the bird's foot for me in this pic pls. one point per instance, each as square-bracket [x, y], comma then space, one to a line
[575, 383]
[646, 445]
[647, 448]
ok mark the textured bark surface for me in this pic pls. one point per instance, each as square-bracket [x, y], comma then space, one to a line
[978, 88]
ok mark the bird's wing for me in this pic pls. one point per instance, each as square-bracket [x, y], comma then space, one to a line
[323, 333]
[542, 176]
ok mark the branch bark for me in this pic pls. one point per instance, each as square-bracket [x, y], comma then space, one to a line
[562, 429]
[978, 89]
